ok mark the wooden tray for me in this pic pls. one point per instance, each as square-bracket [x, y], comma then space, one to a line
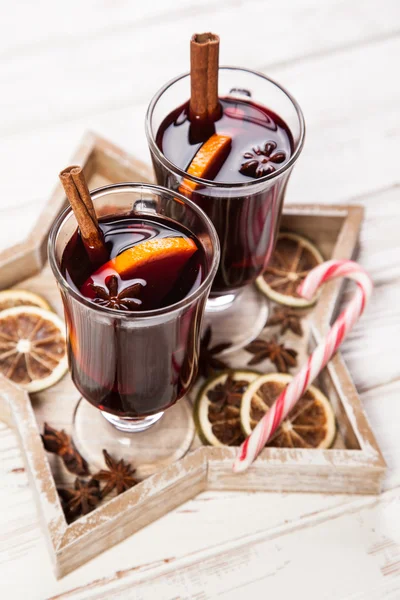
[354, 465]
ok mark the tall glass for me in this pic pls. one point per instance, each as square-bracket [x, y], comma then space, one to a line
[149, 358]
[246, 215]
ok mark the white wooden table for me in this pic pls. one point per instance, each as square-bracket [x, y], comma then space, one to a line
[340, 59]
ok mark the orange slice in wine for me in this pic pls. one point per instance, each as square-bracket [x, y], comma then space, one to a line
[159, 262]
[134, 260]
[207, 161]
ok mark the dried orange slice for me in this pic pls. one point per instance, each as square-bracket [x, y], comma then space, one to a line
[310, 424]
[207, 161]
[32, 347]
[11, 298]
[217, 408]
[293, 258]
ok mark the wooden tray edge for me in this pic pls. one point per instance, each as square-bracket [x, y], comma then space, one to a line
[215, 465]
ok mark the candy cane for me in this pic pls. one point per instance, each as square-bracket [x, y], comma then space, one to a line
[318, 359]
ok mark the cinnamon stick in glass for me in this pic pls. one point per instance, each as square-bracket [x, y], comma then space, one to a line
[78, 195]
[204, 63]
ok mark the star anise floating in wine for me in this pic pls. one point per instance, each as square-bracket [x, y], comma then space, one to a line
[126, 299]
[227, 394]
[283, 358]
[81, 499]
[287, 319]
[60, 443]
[262, 161]
[208, 361]
[119, 475]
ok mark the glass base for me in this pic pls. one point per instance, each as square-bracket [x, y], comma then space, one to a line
[159, 443]
[218, 303]
[237, 319]
[131, 425]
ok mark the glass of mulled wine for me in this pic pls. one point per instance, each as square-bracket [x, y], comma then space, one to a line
[133, 323]
[244, 159]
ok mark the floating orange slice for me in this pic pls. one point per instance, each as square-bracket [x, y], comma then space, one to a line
[134, 259]
[207, 161]
[158, 261]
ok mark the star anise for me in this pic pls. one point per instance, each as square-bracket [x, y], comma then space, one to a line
[81, 499]
[228, 393]
[262, 161]
[283, 358]
[287, 320]
[208, 361]
[60, 443]
[119, 475]
[126, 299]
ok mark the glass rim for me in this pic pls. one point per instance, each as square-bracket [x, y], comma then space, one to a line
[222, 184]
[145, 314]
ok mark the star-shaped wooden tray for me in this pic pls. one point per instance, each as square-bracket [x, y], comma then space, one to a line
[354, 464]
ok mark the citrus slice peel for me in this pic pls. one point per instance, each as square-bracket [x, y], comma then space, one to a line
[311, 423]
[17, 297]
[155, 261]
[140, 255]
[32, 347]
[212, 421]
[207, 161]
[280, 274]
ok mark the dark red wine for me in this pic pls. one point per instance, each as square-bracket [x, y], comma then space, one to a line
[249, 125]
[126, 368]
[245, 220]
[163, 276]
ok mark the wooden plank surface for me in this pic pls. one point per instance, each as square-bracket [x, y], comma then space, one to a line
[339, 59]
[266, 561]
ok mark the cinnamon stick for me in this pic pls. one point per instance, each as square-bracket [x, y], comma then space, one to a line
[78, 195]
[204, 58]
[83, 190]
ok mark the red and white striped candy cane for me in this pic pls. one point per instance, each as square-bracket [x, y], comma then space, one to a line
[318, 359]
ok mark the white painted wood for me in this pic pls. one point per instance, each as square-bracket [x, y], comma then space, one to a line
[340, 59]
[279, 565]
[56, 90]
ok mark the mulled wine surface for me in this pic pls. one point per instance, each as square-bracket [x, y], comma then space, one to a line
[246, 221]
[156, 283]
[128, 368]
[258, 136]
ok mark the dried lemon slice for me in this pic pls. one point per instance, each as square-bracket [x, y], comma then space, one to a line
[217, 408]
[32, 347]
[11, 298]
[310, 424]
[293, 258]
